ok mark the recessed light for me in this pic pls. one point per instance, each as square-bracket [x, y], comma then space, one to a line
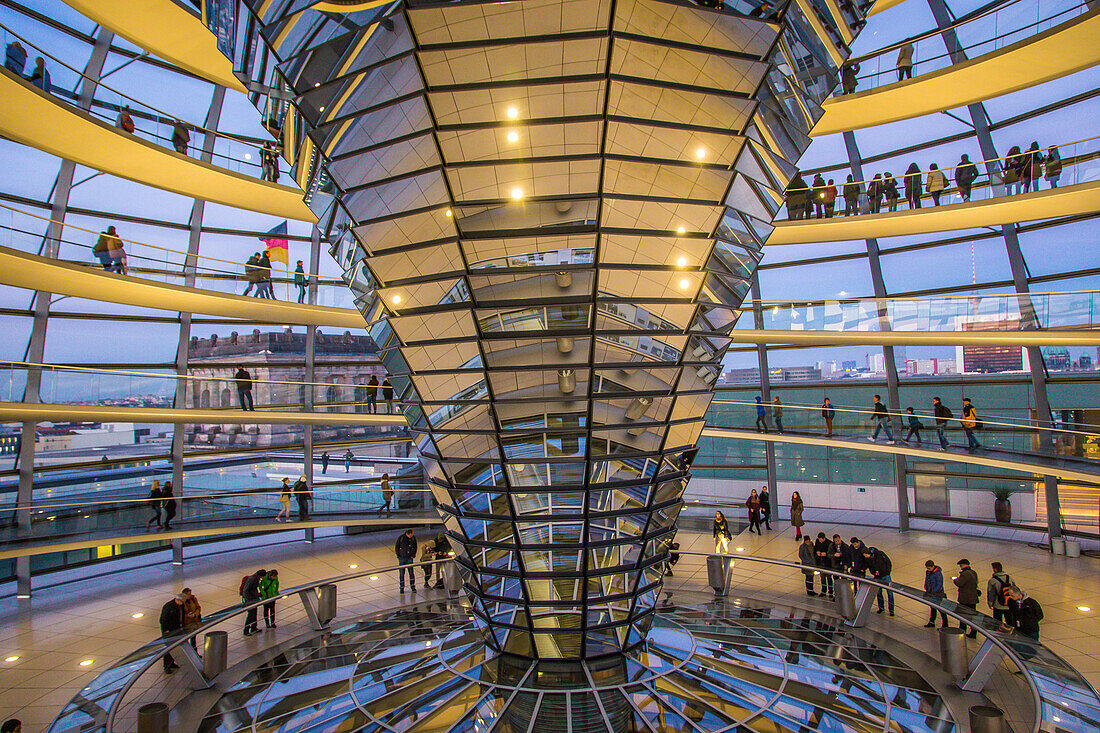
[139, 614]
[353, 566]
[320, 109]
[427, 643]
[680, 230]
[512, 112]
[682, 262]
[248, 156]
[685, 283]
[12, 658]
[740, 549]
[316, 83]
[395, 299]
[374, 577]
[513, 136]
[517, 193]
[700, 153]
[87, 663]
[450, 213]
[1086, 609]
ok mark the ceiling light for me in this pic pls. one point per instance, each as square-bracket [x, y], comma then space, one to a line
[248, 156]
[1085, 609]
[139, 614]
[353, 566]
[517, 193]
[682, 262]
[316, 83]
[320, 109]
[450, 213]
[700, 153]
[12, 658]
[427, 643]
[684, 284]
[680, 230]
[395, 299]
[513, 112]
[374, 577]
[513, 136]
[87, 663]
[740, 549]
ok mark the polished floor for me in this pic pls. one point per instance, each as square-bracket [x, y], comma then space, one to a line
[92, 618]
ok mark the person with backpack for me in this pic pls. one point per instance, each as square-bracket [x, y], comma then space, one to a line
[269, 589]
[915, 426]
[933, 588]
[880, 565]
[967, 583]
[777, 414]
[250, 593]
[970, 423]
[942, 414]
[996, 595]
[1028, 613]
[387, 495]
[882, 420]
[427, 554]
[252, 274]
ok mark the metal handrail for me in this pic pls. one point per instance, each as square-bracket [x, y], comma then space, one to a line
[905, 591]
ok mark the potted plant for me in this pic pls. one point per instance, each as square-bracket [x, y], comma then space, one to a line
[1002, 507]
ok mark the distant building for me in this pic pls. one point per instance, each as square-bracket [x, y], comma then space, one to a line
[990, 359]
[343, 364]
[1057, 358]
[1084, 364]
[850, 366]
[50, 437]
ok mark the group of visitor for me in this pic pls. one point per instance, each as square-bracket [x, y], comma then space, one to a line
[880, 417]
[301, 492]
[405, 548]
[1022, 171]
[15, 61]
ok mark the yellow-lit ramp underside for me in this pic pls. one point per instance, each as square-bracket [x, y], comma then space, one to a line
[23, 270]
[1060, 51]
[165, 29]
[32, 117]
[1081, 198]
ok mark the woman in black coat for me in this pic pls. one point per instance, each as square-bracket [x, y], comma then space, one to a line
[169, 504]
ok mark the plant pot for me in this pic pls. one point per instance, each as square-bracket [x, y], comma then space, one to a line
[1002, 511]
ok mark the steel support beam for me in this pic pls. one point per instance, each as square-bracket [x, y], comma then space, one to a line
[765, 387]
[310, 364]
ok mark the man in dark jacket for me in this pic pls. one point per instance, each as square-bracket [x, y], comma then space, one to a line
[933, 588]
[405, 549]
[819, 196]
[244, 389]
[965, 175]
[387, 395]
[1028, 613]
[180, 137]
[840, 555]
[882, 419]
[967, 583]
[821, 557]
[250, 593]
[809, 561]
[848, 79]
[851, 197]
[942, 415]
[880, 565]
[302, 494]
[171, 621]
[766, 506]
[859, 564]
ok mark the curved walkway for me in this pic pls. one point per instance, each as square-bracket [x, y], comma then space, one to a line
[22, 270]
[1027, 463]
[1081, 198]
[46, 412]
[190, 45]
[32, 272]
[1065, 49]
[140, 534]
[40, 120]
